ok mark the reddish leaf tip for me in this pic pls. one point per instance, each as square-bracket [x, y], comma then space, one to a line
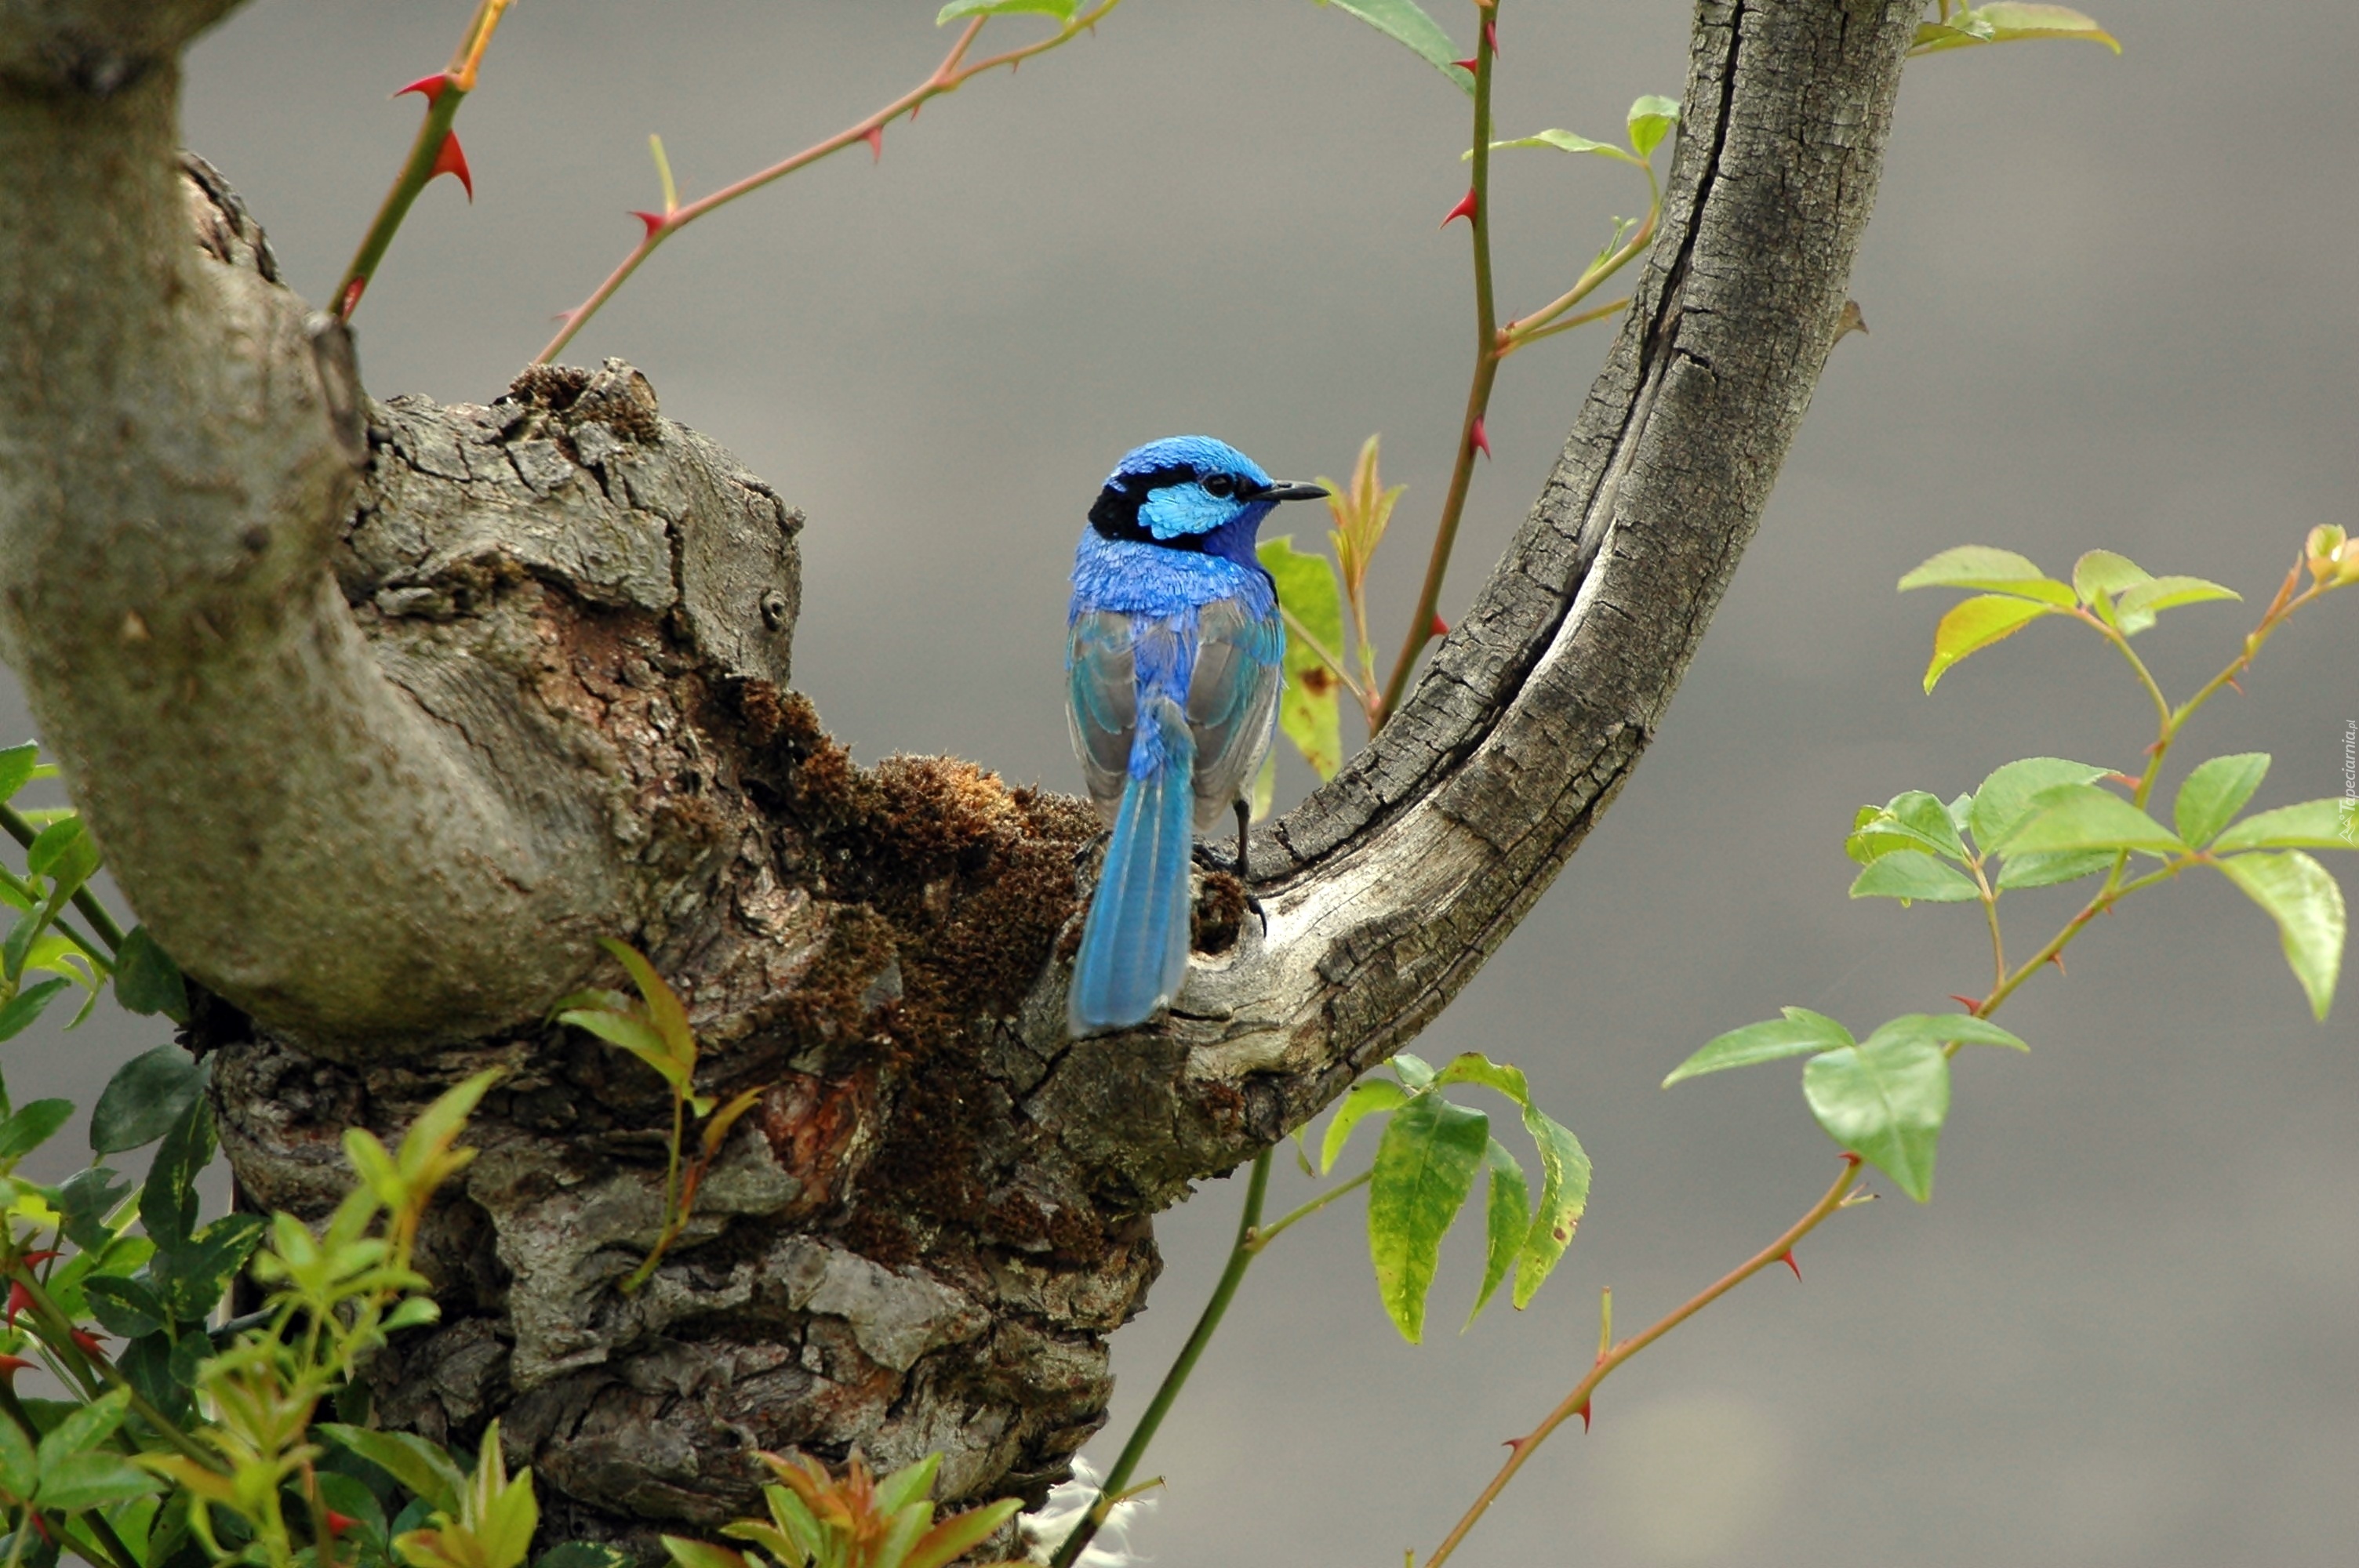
[1477, 439]
[452, 160]
[874, 137]
[1465, 209]
[427, 87]
[1787, 1257]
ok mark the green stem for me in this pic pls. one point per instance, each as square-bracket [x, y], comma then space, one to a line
[84, 900]
[1517, 340]
[1241, 1256]
[61, 1344]
[1262, 1238]
[1478, 394]
[948, 77]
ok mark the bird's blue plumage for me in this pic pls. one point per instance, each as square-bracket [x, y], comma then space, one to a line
[1172, 658]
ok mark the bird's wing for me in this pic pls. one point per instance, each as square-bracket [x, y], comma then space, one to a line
[1231, 701]
[1102, 700]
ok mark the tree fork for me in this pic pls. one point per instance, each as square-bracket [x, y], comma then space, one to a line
[385, 712]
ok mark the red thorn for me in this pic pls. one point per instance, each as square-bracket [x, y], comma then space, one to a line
[339, 1523]
[874, 137]
[2232, 681]
[1787, 1257]
[11, 1365]
[33, 1259]
[654, 220]
[1468, 64]
[427, 87]
[1853, 1161]
[1465, 209]
[352, 297]
[450, 160]
[1491, 34]
[2057, 959]
[43, 1526]
[1584, 1416]
[19, 1300]
[1969, 1004]
[86, 1341]
[1477, 439]
[1441, 627]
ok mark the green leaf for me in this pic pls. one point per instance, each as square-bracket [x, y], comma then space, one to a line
[64, 853]
[1912, 874]
[1413, 1071]
[635, 1035]
[27, 1006]
[1650, 120]
[1506, 1221]
[84, 1428]
[2047, 870]
[2083, 816]
[32, 1126]
[19, 1470]
[1885, 1101]
[144, 1097]
[954, 1536]
[1309, 708]
[2302, 898]
[1799, 1033]
[125, 1308]
[1991, 571]
[1060, 9]
[195, 1277]
[147, 981]
[2212, 795]
[1564, 1193]
[1944, 1029]
[420, 1467]
[349, 1496]
[583, 1554]
[86, 1201]
[1564, 141]
[1425, 1166]
[2001, 22]
[666, 1012]
[2312, 825]
[167, 1202]
[689, 1553]
[2101, 573]
[1912, 820]
[2003, 803]
[2135, 610]
[16, 765]
[909, 1484]
[1473, 1068]
[94, 1481]
[1975, 624]
[1402, 22]
[1369, 1097]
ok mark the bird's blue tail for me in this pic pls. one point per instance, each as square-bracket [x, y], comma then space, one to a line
[1135, 942]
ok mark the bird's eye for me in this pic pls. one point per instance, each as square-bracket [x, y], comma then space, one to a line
[1219, 485]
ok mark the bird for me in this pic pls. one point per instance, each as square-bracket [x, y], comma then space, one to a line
[1174, 656]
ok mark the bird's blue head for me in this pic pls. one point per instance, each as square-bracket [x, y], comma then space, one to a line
[1191, 492]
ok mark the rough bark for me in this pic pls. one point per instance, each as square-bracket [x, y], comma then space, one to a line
[385, 711]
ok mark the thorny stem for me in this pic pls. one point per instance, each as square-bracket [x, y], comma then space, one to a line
[61, 1327]
[948, 77]
[418, 169]
[84, 900]
[1241, 1256]
[1478, 394]
[1577, 1401]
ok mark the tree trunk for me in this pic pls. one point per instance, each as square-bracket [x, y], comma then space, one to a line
[385, 711]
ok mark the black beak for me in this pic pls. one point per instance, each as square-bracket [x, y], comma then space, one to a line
[1284, 491]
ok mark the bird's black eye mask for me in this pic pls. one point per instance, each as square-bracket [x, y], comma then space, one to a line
[1115, 514]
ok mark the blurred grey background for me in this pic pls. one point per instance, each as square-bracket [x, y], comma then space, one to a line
[2110, 305]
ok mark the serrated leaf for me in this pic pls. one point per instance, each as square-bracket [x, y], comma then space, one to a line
[1563, 141]
[2047, 870]
[2003, 803]
[2002, 22]
[1651, 119]
[1063, 10]
[32, 1126]
[2312, 825]
[1406, 24]
[1309, 708]
[1369, 1097]
[147, 981]
[1944, 1029]
[2302, 898]
[1991, 571]
[2083, 816]
[1564, 1193]
[16, 765]
[2103, 572]
[144, 1097]
[1885, 1101]
[1473, 1068]
[195, 1277]
[2135, 610]
[1975, 624]
[1425, 1167]
[421, 1467]
[1798, 1034]
[1912, 820]
[2211, 796]
[1912, 874]
[1506, 1222]
[21, 1010]
[125, 1308]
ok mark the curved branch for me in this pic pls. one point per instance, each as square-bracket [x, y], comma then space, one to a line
[1412, 865]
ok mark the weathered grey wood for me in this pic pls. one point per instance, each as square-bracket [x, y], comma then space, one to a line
[385, 711]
